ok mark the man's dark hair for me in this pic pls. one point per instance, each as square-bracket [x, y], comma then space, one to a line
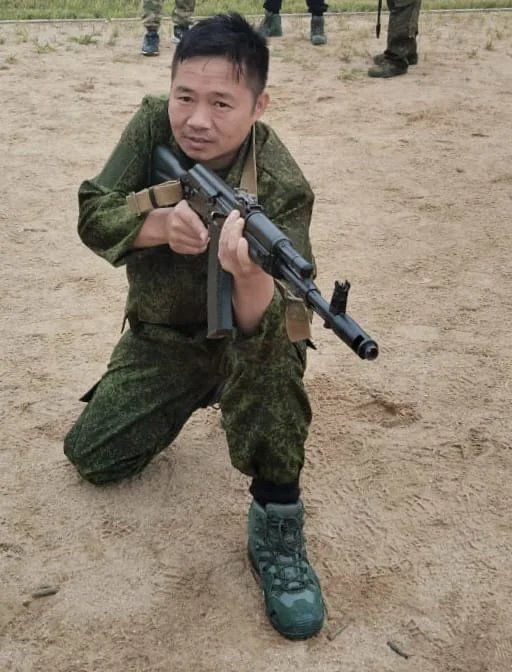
[229, 36]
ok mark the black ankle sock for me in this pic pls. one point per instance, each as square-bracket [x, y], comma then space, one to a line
[266, 492]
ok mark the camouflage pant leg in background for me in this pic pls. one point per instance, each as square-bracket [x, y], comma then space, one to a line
[403, 26]
[158, 377]
[152, 14]
[314, 7]
[182, 12]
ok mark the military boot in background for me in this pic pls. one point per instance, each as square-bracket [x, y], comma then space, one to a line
[401, 51]
[293, 598]
[177, 33]
[388, 67]
[317, 35]
[379, 59]
[151, 43]
[271, 25]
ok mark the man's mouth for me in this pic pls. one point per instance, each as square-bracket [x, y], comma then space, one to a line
[196, 140]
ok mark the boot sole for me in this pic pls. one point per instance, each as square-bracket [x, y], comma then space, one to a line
[413, 60]
[381, 76]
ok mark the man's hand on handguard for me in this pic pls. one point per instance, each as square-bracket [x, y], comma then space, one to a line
[253, 289]
[234, 249]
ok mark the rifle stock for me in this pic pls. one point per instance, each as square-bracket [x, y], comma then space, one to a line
[212, 199]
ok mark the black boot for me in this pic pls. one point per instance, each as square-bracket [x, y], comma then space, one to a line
[317, 35]
[389, 67]
[151, 43]
[412, 58]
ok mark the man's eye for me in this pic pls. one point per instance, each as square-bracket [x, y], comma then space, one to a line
[184, 99]
[221, 104]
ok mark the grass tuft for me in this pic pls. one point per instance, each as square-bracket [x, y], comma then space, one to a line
[87, 38]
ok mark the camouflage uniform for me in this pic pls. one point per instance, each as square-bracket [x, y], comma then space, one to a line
[402, 28]
[181, 14]
[164, 368]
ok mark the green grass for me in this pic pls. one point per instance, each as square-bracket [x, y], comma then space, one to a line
[112, 9]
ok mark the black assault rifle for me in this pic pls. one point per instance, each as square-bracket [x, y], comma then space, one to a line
[212, 199]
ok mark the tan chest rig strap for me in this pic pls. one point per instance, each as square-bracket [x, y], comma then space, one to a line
[159, 196]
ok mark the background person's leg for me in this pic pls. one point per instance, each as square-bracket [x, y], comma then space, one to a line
[182, 18]
[151, 17]
[317, 9]
[401, 50]
[271, 24]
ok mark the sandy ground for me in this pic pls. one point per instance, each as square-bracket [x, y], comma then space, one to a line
[408, 478]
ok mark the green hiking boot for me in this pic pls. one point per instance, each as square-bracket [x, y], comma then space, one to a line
[317, 35]
[271, 25]
[293, 598]
[388, 68]
[379, 59]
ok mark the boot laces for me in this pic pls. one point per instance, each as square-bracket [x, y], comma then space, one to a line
[287, 559]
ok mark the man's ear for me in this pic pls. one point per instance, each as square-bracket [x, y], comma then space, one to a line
[261, 104]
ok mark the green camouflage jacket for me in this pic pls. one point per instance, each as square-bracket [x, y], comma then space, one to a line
[165, 287]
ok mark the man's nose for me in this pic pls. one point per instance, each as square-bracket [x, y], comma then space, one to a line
[199, 117]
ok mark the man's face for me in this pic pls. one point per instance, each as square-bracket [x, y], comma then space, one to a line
[211, 111]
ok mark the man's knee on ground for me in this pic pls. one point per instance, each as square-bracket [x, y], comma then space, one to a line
[106, 472]
[86, 471]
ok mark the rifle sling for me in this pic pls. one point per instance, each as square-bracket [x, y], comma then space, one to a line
[249, 178]
[159, 196]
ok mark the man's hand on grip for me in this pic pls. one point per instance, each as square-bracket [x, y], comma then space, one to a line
[186, 233]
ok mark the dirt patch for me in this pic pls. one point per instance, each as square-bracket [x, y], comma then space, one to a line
[407, 483]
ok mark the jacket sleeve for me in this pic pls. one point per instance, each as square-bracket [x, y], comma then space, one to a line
[283, 191]
[289, 206]
[105, 223]
[295, 220]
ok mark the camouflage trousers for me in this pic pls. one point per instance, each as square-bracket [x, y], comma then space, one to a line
[403, 27]
[181, 14]
[314, 7]
[158, 376]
